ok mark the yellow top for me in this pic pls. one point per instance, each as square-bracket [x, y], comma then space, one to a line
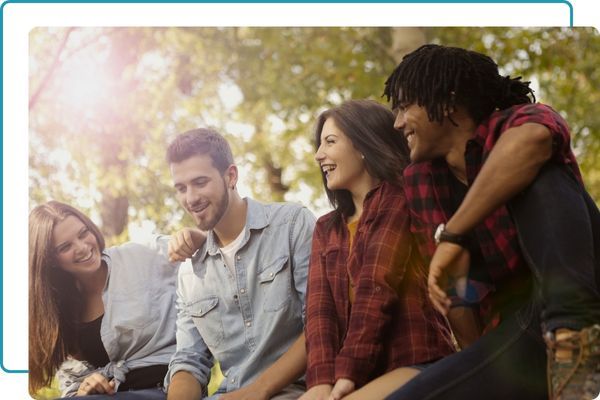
[352, 230]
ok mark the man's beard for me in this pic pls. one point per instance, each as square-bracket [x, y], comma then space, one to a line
[222, 205]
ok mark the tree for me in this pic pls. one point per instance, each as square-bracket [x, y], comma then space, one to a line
[262, 87]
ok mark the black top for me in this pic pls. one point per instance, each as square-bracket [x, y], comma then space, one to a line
[92, 350]
[90, 344]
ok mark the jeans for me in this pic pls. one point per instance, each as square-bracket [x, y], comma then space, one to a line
[559, 233]
[142, 394]
[507, 363]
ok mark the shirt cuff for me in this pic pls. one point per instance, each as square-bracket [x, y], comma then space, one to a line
[173, 369]
[320, 374]
[352, 369]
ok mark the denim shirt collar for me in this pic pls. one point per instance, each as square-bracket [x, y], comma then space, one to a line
[256, 218]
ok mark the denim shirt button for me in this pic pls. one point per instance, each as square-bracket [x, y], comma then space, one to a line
[248, 323]
[242, 290]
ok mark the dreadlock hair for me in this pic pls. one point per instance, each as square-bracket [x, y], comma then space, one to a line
[370, 128]
[439, 78]
[54, 300]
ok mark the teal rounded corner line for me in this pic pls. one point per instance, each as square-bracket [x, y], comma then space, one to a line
[4, 3]
[2, 366]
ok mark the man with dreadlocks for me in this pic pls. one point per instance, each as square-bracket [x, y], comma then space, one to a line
[498, 205]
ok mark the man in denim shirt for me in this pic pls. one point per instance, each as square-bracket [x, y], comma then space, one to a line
[241, 300]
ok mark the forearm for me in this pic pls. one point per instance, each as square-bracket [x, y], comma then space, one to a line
[286, 370]
[184, 387]
[511, 166]
[465, 324]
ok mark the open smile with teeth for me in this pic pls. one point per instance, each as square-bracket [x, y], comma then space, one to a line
[327, 168]
[86, 258]
[409, 135]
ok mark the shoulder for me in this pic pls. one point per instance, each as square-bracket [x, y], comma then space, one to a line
[414, 171]
[416, 179]
[286, 212]
[127, 249]
[324, 220]
[527, 113]
[133, 257]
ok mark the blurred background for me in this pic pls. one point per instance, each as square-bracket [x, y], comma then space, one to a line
[105, 102]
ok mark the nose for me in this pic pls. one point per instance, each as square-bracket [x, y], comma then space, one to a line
[191, 197]
[399, 122]
[319, 155]
[81, 246]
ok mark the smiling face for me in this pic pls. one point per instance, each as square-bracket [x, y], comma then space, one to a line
[426, 139]
[202, 190]
[341, 163]
[76, 248]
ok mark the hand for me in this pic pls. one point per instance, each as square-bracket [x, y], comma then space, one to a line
[318, 392]
[249, 392]
[449, 267]
[184, 243]
[342, 387]
[96, 384]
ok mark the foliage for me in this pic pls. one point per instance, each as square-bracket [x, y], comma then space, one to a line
[107, 101]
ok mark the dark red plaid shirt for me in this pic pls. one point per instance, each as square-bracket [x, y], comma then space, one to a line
[391, 322]
[429, 200]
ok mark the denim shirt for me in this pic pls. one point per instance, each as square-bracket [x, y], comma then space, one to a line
[249, 320]
[138, 326]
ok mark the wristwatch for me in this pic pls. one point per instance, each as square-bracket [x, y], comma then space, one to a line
[442, 235]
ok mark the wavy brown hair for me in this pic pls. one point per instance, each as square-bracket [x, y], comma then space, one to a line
[54, 300]
[370, 128]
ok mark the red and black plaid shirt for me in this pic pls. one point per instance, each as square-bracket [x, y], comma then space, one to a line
[429, 200]
[391, 322]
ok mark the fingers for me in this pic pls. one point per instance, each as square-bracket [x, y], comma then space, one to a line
[181, 246]
[435, 284]
[341, 388]
[96, 384]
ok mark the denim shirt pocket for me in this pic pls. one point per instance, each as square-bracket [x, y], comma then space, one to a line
[275, 283]
[207, 319]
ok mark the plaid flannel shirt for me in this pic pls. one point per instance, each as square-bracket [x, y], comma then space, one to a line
[428, 196]
[391, 322]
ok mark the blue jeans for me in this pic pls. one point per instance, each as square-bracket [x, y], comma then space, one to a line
[142, 394]
[507, 363]
[559, 233]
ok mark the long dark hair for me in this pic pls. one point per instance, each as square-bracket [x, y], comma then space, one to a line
[54, 300]
[439, 78]
[370, 127]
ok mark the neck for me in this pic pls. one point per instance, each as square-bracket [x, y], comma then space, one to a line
[359, 193]
[233, 221]
[455, 157]
[92, 284]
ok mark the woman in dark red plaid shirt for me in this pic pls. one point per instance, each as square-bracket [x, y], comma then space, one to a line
[367, 307]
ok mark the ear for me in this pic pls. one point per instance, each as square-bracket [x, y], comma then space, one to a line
[231, 176]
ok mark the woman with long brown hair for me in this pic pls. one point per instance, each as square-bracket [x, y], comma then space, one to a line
[367, 309]
[101, 319]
